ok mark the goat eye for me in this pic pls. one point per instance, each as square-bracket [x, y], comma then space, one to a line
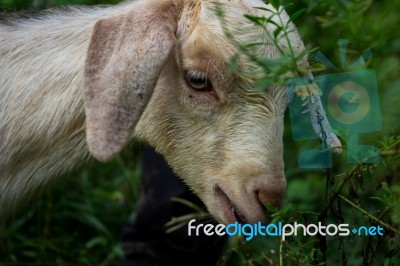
[198, 80]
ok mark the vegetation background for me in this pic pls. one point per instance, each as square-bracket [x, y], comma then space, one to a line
[79, 221]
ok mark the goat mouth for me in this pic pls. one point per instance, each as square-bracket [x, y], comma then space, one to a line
[231, 212]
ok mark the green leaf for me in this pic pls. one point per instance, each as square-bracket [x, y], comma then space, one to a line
[188, 204]
[286, 208]
[277, 31]
[96, 241]
[275, 3]
[266, 9]
[94, 223]
[378, 199]
[263, 84]
[297, 14]
[257, 20]
[233, 64]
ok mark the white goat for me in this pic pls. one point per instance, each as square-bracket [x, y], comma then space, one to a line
[87, 81]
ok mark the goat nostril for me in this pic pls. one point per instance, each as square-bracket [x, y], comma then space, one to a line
[270, 199]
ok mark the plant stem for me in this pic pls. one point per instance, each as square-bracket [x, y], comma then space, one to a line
[388, 153]
[368, 214]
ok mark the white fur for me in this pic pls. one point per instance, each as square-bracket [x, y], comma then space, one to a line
[231, 139]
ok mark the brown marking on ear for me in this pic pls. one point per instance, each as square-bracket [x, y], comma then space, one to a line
[125, 57]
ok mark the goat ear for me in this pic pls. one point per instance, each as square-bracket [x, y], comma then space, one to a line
[125, 57]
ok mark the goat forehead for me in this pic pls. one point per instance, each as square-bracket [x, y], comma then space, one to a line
[202, 31]
[203, 14]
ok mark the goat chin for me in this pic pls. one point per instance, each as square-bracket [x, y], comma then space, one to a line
[85, 82]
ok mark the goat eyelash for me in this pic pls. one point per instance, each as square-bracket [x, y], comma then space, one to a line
[198, 80]
[195, 74]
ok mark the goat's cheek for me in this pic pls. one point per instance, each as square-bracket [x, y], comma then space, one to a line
[198, 103]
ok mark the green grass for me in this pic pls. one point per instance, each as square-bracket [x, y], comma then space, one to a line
[78, 221]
